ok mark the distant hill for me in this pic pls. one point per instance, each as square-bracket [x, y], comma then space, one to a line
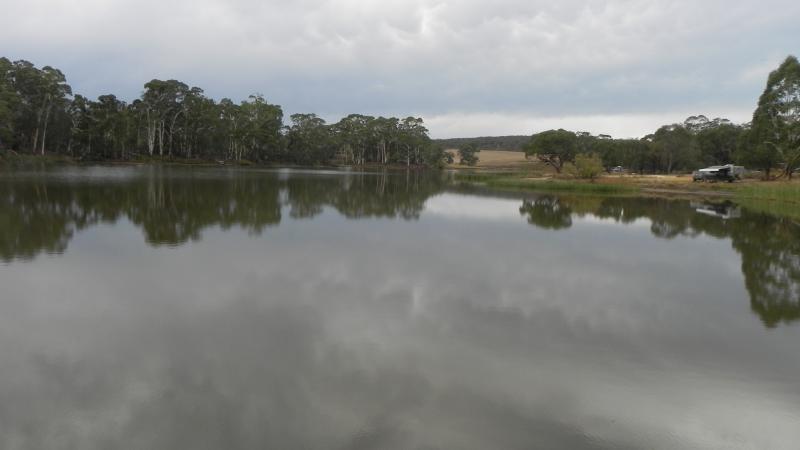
[511, 143]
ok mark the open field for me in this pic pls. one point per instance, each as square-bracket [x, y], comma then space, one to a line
[511, 171]
[498, 160]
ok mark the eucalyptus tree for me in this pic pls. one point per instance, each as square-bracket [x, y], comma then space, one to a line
[162, 104]
[352, 135]
[232, 123]
[55, 93]
[262, 125]
[774, 136]
[468, 154]
[310, 140]
[675, 147]
[385, 130]
[434, 155]
[109, 121]
[413, 137]
[81, 127]
[718, 144]
[38, 113]
[39, 92]
[554, 147]
[9, 102]
[638, 155]
[201, 124]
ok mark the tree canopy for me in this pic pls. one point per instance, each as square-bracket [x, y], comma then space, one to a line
[774, 137]
[554, 147]
[468, 154]
[40, 115]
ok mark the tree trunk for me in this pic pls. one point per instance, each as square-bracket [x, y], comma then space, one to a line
[151, 134]
[35, 140]
[161, 138]
[44, 126]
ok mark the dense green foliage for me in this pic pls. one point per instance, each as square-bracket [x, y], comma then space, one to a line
[509, 143]
[774, 137]
[39, 115]
[679, 147]
[468, 154]
[554, 147]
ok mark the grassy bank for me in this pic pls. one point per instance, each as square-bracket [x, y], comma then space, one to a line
[13, 159]
[780, 197]
[776, 198]
[775, 191]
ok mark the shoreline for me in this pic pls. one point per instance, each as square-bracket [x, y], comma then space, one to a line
[508, 179]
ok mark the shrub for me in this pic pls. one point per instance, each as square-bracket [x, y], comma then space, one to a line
[588, 166]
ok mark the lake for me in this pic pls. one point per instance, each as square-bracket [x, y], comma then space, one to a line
[169, 308]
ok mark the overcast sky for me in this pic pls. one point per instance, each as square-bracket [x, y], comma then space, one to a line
[468, 67]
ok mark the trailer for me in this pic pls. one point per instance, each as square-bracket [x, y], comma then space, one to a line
[728, 172]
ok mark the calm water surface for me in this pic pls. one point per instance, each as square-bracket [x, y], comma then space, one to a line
[155, 308]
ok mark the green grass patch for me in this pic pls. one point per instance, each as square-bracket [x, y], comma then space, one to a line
[780, 199]
[772, 207]
[13, 159]
[783, 192]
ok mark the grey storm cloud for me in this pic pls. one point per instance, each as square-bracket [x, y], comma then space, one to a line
[468, 67]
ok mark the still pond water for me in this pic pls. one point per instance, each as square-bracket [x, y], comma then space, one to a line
[157, 308]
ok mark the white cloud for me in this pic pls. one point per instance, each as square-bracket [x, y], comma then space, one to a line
[573, 58]
[618, 125]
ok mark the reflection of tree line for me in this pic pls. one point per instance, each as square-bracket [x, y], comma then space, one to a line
[365, 195]
[769, 245]
[42, 214]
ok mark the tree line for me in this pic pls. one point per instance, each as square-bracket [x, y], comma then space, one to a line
[514, 143]
[770, 141]
[40, 115]
[696, 142]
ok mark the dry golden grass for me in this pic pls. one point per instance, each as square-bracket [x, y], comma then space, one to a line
[514, 170]
[498, 159]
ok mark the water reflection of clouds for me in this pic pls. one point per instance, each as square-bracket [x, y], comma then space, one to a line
[456, 329]
[306, 337]
[595, 221]
[455, 206]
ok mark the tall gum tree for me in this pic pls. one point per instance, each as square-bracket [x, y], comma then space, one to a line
[774, 136]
